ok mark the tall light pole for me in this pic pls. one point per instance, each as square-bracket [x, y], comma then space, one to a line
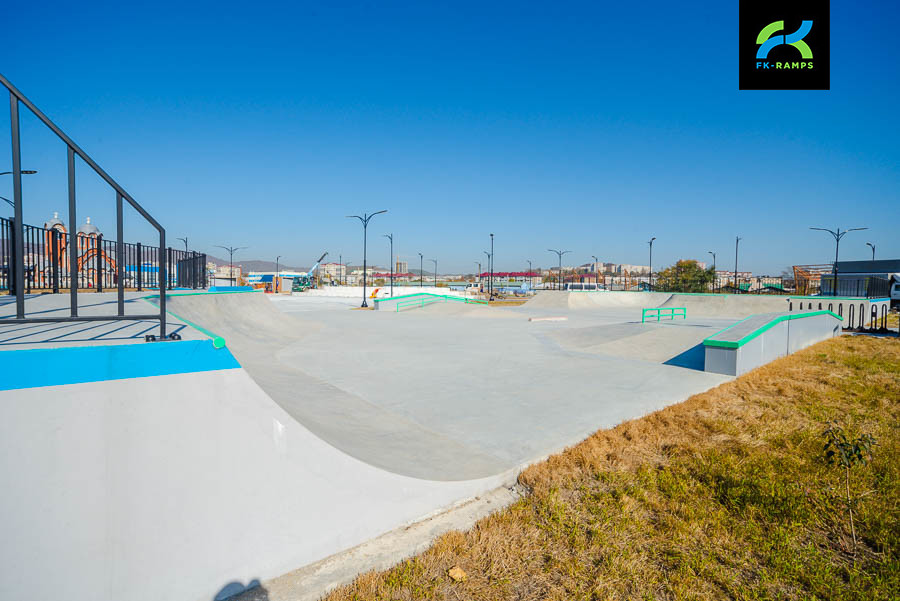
[491, 295]
[596, 273]
[435, 271]
[479, 270]
[488, 255]
[651, 261]
[737, 240]
[275, 283]
[873, 249]
[837, 246]
[560, 254]
[391, 238]
[231, 250]
[365, 223]
[421, 271]
[185, 242]
[530, 280]
[715, 277]
[341, 264]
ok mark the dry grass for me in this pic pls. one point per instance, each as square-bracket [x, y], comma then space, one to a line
[723, 496]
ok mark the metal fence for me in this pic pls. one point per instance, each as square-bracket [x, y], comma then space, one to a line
[862, 287]
[47, 262]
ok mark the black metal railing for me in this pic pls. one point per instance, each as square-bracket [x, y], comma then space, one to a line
[47, 265]
[20, 272]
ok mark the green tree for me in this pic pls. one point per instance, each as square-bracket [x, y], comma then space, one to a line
[685, 276]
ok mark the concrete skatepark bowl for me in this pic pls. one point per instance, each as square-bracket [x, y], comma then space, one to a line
[316, 429]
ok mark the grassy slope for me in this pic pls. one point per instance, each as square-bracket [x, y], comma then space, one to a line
[723, 496]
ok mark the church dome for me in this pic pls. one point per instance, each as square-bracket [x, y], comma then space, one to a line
[88, 229]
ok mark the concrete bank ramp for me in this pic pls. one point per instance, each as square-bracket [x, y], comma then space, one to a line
[727, 305]
[262, 338]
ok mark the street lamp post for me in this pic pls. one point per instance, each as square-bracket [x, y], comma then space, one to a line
[737, 240]
[596, 273]
[421, 271]
[391, 238]
[488, 255]
[435, 272]
[873, 249]
[837, 246]
[276, 282]
[530, 281]
[651, 261]
[185, 243]
[231, 250]
[560, 254]
[365, 223]
[491, 295]
[479, 271]
[715, 278]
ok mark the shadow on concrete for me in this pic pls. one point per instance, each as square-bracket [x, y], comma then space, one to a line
[235, 591]
[693, 358]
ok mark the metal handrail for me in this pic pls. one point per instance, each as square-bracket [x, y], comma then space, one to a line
[73, 149]
[670, 312]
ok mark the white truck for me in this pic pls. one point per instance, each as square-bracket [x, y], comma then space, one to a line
[895, 290]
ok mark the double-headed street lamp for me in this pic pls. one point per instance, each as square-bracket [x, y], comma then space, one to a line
[837, 246]
[391, 238]
[651, 261]
[596, 273]
[873, 249]
[365, 223]
[560, 254]
[231, 250]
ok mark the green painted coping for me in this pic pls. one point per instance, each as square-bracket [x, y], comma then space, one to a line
[771, 324]
[476, 301]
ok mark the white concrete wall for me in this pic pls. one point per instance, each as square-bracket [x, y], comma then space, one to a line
[171, 487]
[383, 291]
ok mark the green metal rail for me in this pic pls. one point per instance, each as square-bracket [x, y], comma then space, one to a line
[420, 295]
[426, 298]
[663, 312]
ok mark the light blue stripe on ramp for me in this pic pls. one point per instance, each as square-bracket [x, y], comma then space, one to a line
[73, 365]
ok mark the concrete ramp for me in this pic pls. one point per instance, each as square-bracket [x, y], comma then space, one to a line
[727, 305]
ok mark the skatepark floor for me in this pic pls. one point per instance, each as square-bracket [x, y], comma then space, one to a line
[452, 391]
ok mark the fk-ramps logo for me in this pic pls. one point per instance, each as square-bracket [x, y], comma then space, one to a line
[784, 45]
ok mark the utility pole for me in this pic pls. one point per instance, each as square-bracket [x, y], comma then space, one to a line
[391, 238]
[837, 246]
[365, 223]
[560, 254]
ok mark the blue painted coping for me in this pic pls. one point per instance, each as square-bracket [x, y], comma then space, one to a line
[78, 364]
[230, 288]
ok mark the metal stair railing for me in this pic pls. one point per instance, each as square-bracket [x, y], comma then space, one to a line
[15, 99]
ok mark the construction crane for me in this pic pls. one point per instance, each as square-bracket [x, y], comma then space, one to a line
[305, 281]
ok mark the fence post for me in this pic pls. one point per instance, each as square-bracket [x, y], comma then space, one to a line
[54, 258]
[98, 250]
[140, 267]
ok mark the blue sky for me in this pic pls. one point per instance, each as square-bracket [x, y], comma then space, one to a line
[573, 125]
